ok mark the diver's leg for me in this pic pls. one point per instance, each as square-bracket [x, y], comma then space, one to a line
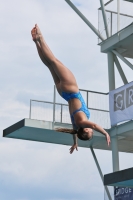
[67, 79]
[55, 77]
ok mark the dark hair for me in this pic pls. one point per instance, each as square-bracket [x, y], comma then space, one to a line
[80, 133]
[66, 130]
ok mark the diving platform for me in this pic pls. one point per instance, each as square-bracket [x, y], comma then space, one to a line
[123, 178]
[41, 131]
[122, 42]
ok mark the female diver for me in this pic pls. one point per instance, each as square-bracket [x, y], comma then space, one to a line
[67, 87]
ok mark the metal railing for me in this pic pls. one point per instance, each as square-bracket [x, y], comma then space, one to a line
[58, 110]
[125, 19]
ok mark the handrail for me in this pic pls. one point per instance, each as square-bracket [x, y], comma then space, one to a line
[94, 91]
[49, 102]
[120, 13]
[62, 104]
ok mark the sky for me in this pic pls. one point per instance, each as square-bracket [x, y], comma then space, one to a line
[32, 170]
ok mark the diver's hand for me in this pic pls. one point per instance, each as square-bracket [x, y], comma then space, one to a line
[75, 146]
[108, 139]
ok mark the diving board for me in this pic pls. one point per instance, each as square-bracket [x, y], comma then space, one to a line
[123, 178]
[41, 131]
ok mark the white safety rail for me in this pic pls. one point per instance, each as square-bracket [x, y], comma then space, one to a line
[125, 17]
[58, 111]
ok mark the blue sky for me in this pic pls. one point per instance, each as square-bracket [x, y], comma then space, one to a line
[31, 170]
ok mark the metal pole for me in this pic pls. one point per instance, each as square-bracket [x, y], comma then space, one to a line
[100, 172]
[120, 70]
[104, 18]
[114, 143]
[30, 110]
[111, 25]
[111, 72]
[123, 59]
[87, 99]
[61, 112]
[118, 15]
[115, 153]
[84, 19]
[54, 101]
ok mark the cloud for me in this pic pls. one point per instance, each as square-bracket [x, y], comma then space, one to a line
[36, 165]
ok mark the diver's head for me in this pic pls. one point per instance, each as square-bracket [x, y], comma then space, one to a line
[85, 133]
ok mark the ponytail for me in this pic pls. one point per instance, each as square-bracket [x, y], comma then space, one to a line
[66, 130]
[80, 133]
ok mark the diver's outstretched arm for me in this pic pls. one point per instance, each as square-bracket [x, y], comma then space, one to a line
[75, 145]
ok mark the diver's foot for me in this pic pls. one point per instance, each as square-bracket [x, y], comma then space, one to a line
[36, 33]
[33, 33]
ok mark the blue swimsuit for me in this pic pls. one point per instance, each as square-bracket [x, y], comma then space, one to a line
[68, 96]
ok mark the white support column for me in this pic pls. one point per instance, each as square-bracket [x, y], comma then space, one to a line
[114, 142]
[118, 15]
[104, 18]
[115, 153]
[120, 70]
[111, 25]
[84, 19]
[123, 59]
[111, 71]
[100, 172]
